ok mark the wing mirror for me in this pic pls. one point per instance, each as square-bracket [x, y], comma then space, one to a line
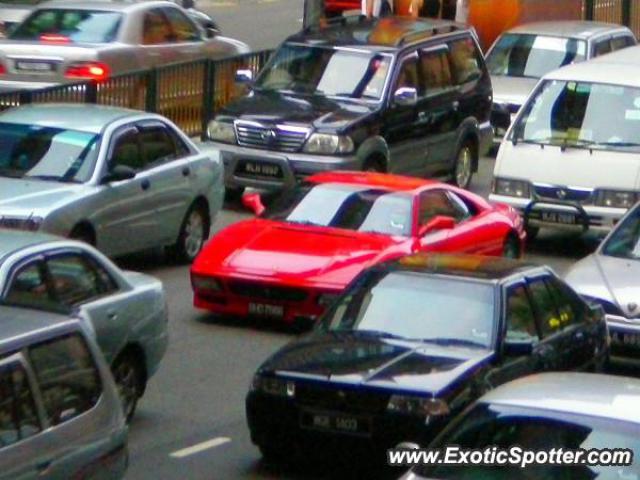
[253, 202]
[244, 76]
[118, 174]
[518, 348]
[405, 96]
[439, 222]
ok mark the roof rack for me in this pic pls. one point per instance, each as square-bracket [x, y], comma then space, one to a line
[417, 36]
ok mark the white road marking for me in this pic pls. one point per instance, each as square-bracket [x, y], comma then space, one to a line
[200, 447]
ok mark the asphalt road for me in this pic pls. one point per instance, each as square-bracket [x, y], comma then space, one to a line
[197, 398]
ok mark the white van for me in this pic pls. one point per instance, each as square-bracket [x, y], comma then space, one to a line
[571, 158]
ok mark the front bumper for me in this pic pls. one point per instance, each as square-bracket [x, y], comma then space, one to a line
[587, 217]
[290, 166]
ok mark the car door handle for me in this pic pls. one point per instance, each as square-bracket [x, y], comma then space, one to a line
[186, 171]
[578, 335]
[43, 467]
[455, 105]
[145, 184]
[112, 315]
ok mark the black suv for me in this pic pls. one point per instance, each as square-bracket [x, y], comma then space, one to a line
[390, 95]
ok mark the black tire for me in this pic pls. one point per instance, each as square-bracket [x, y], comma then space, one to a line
[128, 374]
[465, 162]
[511, 247]
[233, 194]
[374, 165]
[276, 454]
[532, 233]
[193, 233]
[83, 233]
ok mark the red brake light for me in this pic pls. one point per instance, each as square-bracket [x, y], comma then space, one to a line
[54, 38]
[90, 70]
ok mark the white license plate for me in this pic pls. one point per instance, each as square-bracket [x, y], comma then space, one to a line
[34, 66]
[264, 169]
[266, 310]
[559, 217]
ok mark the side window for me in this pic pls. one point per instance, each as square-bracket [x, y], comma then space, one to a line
[18, 414]
[521, 323]
[77, 280]
[437, 202]
[601, 47]
[155, 28]
[68, 378]
[126, 151]
[544, 307]
[570, 307]
[183, 29]
[408, 75]
[29, 288]
[622, 41]
[466, 61]
[157, 146]
[435, 71]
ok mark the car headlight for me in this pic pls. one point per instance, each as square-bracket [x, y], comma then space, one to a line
[273, 386]
[202, 282]
[326, 299]
[328, 144]
[417, 405]
[221, 131]
[511, 188]
[616, 198]
[30, 224]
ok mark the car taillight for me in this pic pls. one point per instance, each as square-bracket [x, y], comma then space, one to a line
[91, 70]
[54, 38]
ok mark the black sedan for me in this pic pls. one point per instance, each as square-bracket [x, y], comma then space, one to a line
[410, 344]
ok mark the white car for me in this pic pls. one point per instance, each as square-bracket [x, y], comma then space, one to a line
[571, 159]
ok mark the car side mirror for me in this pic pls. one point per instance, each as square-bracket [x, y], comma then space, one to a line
[405, 96]
[518, 348]
[118, 174]
[211, 31]
[244, 76]
[253, 202]
[439, 222]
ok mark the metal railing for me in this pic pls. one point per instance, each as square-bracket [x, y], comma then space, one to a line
[188, 93]
[624, 12]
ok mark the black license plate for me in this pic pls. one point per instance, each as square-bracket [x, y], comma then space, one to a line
[626, 339]
[562, 218]
[29, 66]
[260, 169]
[266, 310]
[336, 422]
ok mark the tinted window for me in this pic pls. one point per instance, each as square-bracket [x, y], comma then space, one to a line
[570, 307]
[601, 47]
[66, 25]
[436, 72]
[157, 146]
[126, 151]
[437, 202]
[618, 43]
[408, 75]
[521, 323]
[183, 29]
[18, 414]
[545, 307]
[156, 28]
[67, 376]
[29, 288]
[46, 153]
[466, 61]
[77, 280]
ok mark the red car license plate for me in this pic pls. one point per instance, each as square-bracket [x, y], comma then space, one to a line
[266, 310]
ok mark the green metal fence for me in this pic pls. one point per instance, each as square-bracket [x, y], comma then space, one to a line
[187, 93]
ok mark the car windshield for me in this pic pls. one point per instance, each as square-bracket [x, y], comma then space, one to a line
[326, 71]
[46, 153]
[581, 114]
[66, 25]
[352, 207]
[419, 307]
[624, 241]
[535, 430]
[533, 56]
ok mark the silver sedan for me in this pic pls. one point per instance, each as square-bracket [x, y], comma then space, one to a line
[63, 41]
[119, 179]
[611, 277]
[126, 310]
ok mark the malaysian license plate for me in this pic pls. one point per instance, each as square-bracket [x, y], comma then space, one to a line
[562, 218]
[626, 339]
[262, 169]
[334, 422]
[34, 66]
[266, 310]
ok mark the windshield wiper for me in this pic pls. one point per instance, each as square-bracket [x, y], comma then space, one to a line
[377, 333]
[453, 341]
[49, 178]
[617, 144]
[305, 222]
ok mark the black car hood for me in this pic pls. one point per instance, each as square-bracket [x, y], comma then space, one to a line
[278, 107]
[379, 362]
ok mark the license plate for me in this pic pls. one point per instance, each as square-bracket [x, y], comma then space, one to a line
[559, 217]
[626, 339]
[333, 422]
[266, 310]
[34, 66]
[262, 169]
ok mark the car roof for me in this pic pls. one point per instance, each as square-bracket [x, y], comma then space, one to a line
[619, 68]
[111, 5]
[23, 326]
[73, 116]
[374, 179]
[568, 28]
[14, 240]
[589, 394]
[478, 267]
[385, 34]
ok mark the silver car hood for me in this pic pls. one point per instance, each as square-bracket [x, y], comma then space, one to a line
[512, 90]
[26, 197]
[609, 278]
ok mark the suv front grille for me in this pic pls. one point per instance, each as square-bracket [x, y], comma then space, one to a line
[563, 193]
[282, 138]
[349, 400]
[267, 292]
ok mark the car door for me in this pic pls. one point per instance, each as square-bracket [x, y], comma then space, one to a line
[157, 42]
[437, 202]
[187, 38]
[78, 281]
[126, 215]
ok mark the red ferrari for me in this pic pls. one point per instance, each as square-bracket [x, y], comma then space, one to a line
[294, 258]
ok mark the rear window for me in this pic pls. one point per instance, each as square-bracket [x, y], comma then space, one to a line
[66, 25]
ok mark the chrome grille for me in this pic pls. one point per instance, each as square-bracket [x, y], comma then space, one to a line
[350, 400]
[563, 193]
[282, 138]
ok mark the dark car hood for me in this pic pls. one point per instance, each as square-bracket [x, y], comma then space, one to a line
[276, 107]
[373, 361]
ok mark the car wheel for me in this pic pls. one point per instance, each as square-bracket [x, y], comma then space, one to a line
[511, 247]
[463, 169]
[233, 194]
[276, 454]
[84, 234]
[129, 378]
[193, 233]
[532, 233]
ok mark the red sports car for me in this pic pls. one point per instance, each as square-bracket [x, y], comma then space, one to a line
[301, 252]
